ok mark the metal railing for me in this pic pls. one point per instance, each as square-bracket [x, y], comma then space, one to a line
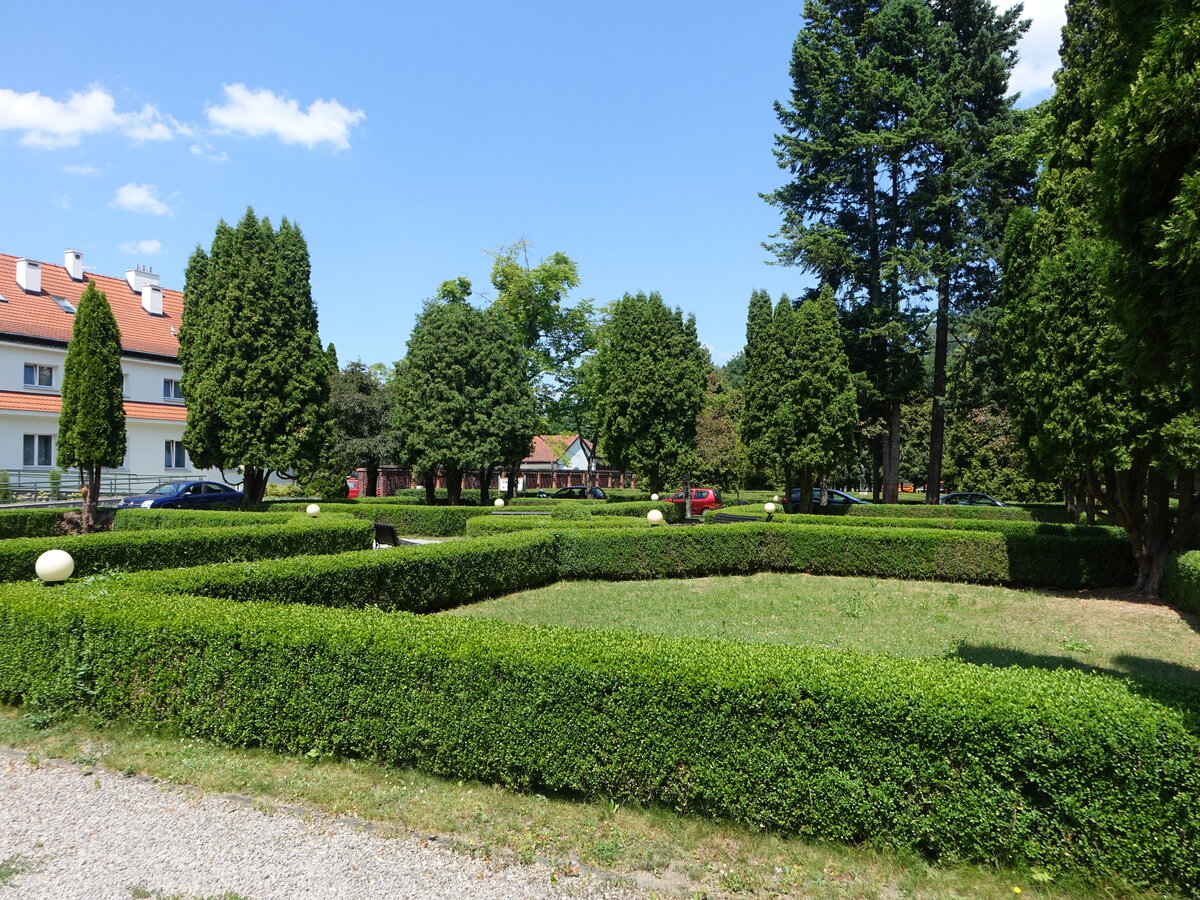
[25, 484]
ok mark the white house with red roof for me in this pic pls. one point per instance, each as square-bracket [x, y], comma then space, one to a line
[37, 305]
[558, 452]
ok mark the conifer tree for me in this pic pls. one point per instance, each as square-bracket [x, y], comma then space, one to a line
[91, 426]
[255, 376]
[648, 378]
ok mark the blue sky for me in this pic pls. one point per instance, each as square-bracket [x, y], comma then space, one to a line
[407, 139]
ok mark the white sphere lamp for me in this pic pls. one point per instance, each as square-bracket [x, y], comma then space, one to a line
[499, 502]
[54, 566]
[313, 510]
[654, 496]
[769, 507]
[654, 517]
[776, 498]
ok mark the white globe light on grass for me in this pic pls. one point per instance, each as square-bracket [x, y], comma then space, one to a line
[770, 508]
[654, 517]
[654, 496]
[313, 510]
[776, 498]
[499, 502]
[54, 566]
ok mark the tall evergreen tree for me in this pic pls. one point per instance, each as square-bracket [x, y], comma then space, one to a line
[255, 377]
[648, 378]
[360, 405]
[91, 426]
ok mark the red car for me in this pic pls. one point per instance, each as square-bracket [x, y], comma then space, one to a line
[702, 499]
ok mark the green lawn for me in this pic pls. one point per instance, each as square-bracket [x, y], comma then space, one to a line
[1112, 633]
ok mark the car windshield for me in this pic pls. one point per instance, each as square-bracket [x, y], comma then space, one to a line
[173, 488]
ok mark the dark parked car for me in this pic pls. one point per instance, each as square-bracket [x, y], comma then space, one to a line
[969, 498]
[835, 498]
[576, 492]
[184, 495]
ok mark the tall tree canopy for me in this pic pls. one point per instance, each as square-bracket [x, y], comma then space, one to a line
[648, 378]
[887, 136]
[91, 426]
[463, 401]
[255, 376]
[360, 404]
[1100, 323]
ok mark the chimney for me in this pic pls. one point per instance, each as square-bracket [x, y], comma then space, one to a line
[29, 275]
[139, 276]
[73, 263]
[152, 299]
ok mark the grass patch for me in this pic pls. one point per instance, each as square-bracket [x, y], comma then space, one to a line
[1110, 633]
[659, 852]
[12, 866]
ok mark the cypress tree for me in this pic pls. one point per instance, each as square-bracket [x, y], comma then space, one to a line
[91, 427]
[255, 376]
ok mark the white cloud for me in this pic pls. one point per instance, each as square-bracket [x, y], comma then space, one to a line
[261, 112]
[148, 247]
[141, 198]
[1034, 72]
[48, 123]
[206, 151]
[62, 201]
[85, 169]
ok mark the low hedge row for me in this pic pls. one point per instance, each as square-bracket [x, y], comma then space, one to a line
[150, 519]
[1003, 526]
[1181, 581]
[919, 511]
[486, 525]
[918, 553]
[158, 549]
[19, 523]
[1057, 770]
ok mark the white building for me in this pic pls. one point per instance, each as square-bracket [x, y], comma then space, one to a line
[37, 304]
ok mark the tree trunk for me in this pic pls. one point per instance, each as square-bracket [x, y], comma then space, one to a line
[891, 457]
[372, 480]
[485, 483]
[806, 489]
[877, 443]
[254, 483]
[687, 495]
[431, 486]
[454, 477]
[937, 426]
[89, 485]
[514, 478]
[787, 488]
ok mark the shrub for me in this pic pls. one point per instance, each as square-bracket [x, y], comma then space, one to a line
[485, 525]
[1057, 770]
[19, 523]
[571, 512]
[1003, 526]
[918, 510]
[1181, 580]
[925, 553]
[147, 519]
[136, 550]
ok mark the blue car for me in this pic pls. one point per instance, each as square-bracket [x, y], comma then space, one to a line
[184, 495]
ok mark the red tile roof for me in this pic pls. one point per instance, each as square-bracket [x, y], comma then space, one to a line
[38, 316]
[548, 448]
[52, 403]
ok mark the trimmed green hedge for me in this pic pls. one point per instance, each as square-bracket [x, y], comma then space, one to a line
[431, 521]
[1003, 526]
[148, 519]
[159, 549]
[1058, 770]
[1181, 580]
[485, 525]
[29, 523]
[918, 553]
[921, 511]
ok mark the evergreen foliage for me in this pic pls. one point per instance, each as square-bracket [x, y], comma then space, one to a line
[360, 405]
[255, 377]
[648, 378]
[91, 426]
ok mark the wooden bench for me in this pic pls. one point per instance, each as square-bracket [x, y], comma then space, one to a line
[385, 535]
[726, 518]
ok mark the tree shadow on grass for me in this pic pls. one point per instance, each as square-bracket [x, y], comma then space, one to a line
[1171, 684]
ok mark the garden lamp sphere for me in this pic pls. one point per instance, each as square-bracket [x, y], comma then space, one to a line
[769, 507]
[499, 502]
[313, 510]
[654, 517]
[54, 566]
[654, 496]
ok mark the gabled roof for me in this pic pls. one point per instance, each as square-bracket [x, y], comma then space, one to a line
[549, 448]
[38, 316]
[17, 401]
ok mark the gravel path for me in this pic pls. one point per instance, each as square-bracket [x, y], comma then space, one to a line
[74, 832]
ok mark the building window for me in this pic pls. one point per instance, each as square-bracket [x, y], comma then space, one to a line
[38, 375]
[39, 450]
[171, 389]
[176, 456]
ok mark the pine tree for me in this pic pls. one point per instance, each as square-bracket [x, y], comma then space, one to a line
[648, 379]
[255, 376]
[91, 426]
